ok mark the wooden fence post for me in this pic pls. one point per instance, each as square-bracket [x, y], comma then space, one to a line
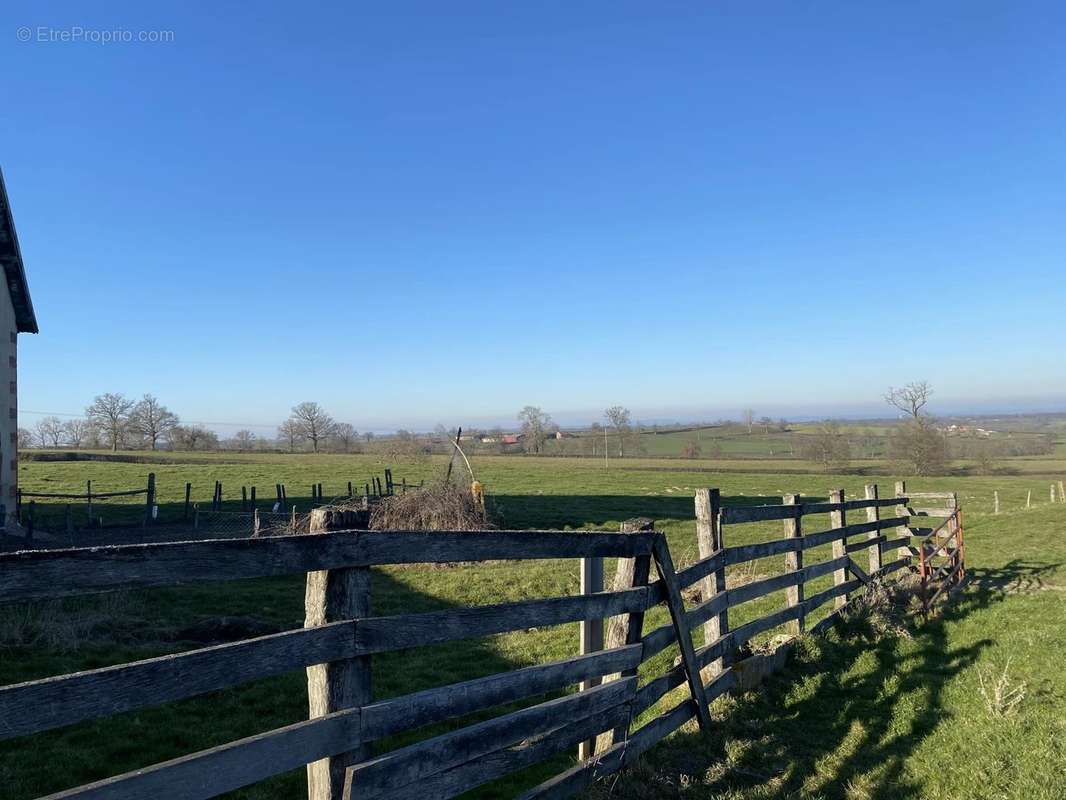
[901, 511]
[837, 519]
[1029, 499]
[995, 502]
[627, 629]
[89, 501]
[794, 562]
[188, 496]
[1062, 493]
[333, 596]
[244, 498]
[709, 539]
[149, 499]
[252, 499]
[873, 514]
[1052, 493]
[591, 634]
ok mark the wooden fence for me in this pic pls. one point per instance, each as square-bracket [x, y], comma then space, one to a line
[341, 636]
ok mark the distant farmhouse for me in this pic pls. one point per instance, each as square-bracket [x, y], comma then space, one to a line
[16, 316]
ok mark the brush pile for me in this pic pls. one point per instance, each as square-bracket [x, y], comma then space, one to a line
[435, 507]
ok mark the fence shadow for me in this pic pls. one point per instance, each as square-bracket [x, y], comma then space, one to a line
[840, 720]
[556, 511]
[169, 620]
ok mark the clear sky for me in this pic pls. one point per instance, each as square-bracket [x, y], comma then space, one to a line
[440, 212]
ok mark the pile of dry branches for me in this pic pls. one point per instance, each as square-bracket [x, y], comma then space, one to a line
[440, 507]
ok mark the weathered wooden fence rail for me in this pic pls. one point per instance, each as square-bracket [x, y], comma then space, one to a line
[342, 635]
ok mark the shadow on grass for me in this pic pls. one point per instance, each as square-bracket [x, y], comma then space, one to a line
[840, 721]
[81, 753]
[123, 522]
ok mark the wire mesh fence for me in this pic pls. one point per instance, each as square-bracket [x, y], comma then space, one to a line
[208, 523]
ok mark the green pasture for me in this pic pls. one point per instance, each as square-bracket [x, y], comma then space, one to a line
[856, 715]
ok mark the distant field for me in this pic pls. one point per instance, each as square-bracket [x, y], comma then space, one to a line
[862, 719]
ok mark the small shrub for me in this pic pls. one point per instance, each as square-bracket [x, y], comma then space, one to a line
[1001, 695]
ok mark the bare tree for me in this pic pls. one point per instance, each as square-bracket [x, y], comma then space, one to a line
[110, 412]
[917, 443]
[535, 425]
[289, 431]
[910, 399]
[244, 440]
[828, 445]
[49, 431]
[345, 435]
[618, 417]
[749, 417]
[369, 436]
[313, 422]
[152, 420]
[76, 431]
[25, 439]
[192, 437]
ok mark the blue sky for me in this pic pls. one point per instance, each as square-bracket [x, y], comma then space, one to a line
[423, 212]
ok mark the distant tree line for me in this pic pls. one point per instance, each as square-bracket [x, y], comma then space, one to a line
[115, 422]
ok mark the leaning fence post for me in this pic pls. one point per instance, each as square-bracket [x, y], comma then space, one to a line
[591, 634]
[837, 519]
[333, 596]
[709, 540]
[873, 515]
[794, 562]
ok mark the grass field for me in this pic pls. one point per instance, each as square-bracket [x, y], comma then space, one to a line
[855, 716]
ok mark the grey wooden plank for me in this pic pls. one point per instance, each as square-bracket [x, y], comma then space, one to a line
[707, 610]
[381, 634]
[407, 765]
[871, 502]
[816, 600]
[451, 782]
[752, 629]
[891, 567]
[62, 700]
[620, 755]
[658, 640]
[701, 569]
[865, 544]
[397, 714]
[230, 766]
[56, 573]
[740, 554]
